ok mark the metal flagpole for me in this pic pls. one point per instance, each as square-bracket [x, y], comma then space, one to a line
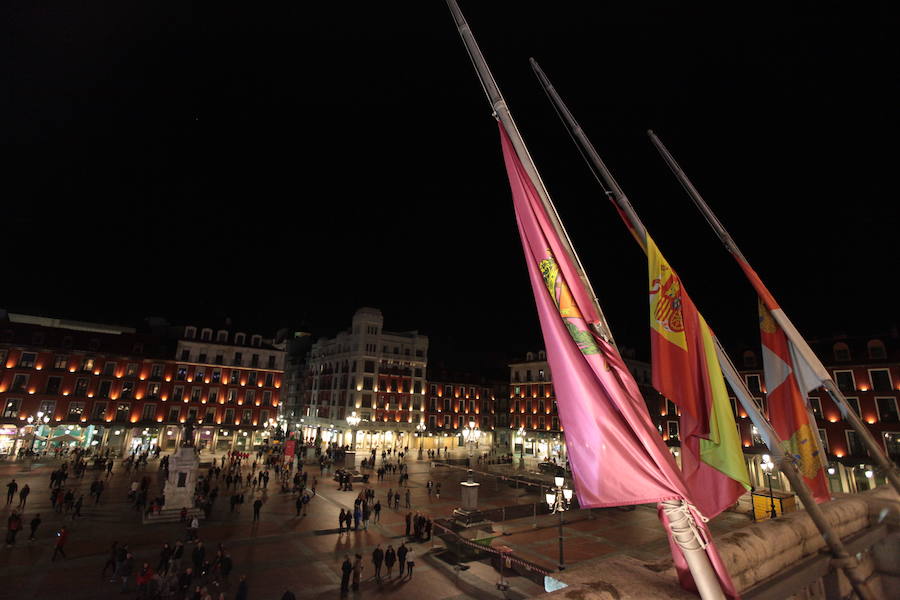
[875, 450]
[841, 558]
[698, 562]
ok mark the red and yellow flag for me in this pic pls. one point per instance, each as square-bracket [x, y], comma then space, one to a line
[686, 370]
[788, 409]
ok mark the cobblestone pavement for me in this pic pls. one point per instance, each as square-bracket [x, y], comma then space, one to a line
[303, 554]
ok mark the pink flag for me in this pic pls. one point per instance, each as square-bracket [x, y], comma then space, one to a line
[616, 454]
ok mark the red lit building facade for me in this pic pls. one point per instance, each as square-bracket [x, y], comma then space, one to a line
[456, 400]
[65, 383]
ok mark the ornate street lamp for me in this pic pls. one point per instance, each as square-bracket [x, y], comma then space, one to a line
[521, 434]
[420, 430]
[353, 420]
[767, 466]
[559, 499]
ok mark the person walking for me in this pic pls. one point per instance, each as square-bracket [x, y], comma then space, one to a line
[409, 564]
[390, 557]
[401, 558]
[437, 490]
[13, 526]
[256, 506]
[408, 523]
[35, 523]
[365, 515]
[77, 506]
[357, 515]
[177, 555]
[377, 510]
[407, 498]
[197, 557]
[110, 560]
[23, 495]
[126, 570]
[192, 531]
[299, 505]
[242, 589]
[357, 571]
[61, 537]
[397, 499]
[346, 569]
[165, 555]
[225, 567]
[11, 491]
[341, 518]
[377, 559]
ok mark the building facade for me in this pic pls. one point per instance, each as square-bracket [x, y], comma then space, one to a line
[366, 372]
[462, 413]
[69, 383]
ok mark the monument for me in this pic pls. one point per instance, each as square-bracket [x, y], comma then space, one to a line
[181, 483]
[468, 498]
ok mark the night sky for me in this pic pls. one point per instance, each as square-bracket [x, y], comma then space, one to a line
[283, 167]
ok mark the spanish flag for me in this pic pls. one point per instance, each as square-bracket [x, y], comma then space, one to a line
[686, 370]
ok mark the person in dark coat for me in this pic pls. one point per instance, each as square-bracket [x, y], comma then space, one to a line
[197, 557]
[408, 522]
[346, 569]
[401, 557]
[377, 559]
[390, 557]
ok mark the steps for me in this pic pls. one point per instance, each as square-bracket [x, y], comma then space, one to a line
[173, 515]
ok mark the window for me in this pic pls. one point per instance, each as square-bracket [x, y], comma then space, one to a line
[199, 374]
[153, 390]
[671, 409]
[185, 355]
[20, 380]
[267, 398]
[206, 335]
[156, 371]
[190, 332]
[753, 384]
[254, 360]
[99, 411]
[854, 404]
[229, 416]
[749, 359]
[195, 394]
[256, 340]
[149, 412]
[201, 358]
[240, 339]
[87, 364]
[367, 383]
[887, 409]
[181, 373]
[446, 404]
[11, 408]
[103, 390]
[127, 389]
[131, 370]
[192, 414]
[123, 412]
[26, 360]
[216, 375]
[433, 390]
[876, 349]
[841, 352]
[816, 406]
[528, 421]
[238, 358]
[854, 444]
[823, 438]
[270, 379]
[174, 414]
[755, 436]
[250, 397]
[251, 378]
[213, 396]
[448, 390]
[220, 359]
[232, 396]
[672, 429]
[235, 377]
[81, 386]
[247, 416]
[53, 384]
[555, 424]
[845, 381]
[178, 393]
[881, 380]
[432, 422]
[2, 358]
[109, 368]
[892, 444]
[60, 361]
[446, 421]
[271, 361]
[222, 336]
[210, 416]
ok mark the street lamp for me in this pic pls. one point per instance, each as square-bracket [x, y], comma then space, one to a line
[472, 435]
[767, 466]
[558, 500]
[420, 429]
[521, 433]
[353, 420]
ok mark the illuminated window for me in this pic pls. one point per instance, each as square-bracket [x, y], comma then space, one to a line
[26, 360]
[61, 361]
[11, 408]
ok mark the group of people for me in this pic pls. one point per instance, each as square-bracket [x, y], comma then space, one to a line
[351, 571]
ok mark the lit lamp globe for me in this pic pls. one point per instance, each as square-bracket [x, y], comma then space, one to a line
[551, 499]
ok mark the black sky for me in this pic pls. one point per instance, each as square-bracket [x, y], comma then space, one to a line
[283, 166]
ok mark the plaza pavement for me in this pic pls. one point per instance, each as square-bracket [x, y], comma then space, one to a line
[304, 554]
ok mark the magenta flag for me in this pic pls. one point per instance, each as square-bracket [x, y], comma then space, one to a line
[616, 454]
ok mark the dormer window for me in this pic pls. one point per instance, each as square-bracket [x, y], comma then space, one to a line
[749, 359]
[240, 339]
[222, 336]
[206, 335]
[841, 352]
[256, 340]
[190, 333]
[876, 349]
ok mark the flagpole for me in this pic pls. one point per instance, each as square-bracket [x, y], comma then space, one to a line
[841, 557]
[502, 113]
[680, 527]
[778, 314]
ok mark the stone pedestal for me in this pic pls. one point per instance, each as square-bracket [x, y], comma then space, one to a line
[469, 495]
[182, 481]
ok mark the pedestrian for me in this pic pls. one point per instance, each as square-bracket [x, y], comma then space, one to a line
[184, 581]
[11, 491]
[437, 490]
[409, 564]
[377, 559]
[390, 557]
[165, 555]
[407, 498]
[192, 532]
[13, 526]
[377, 509]
[256, 506]
[299, 504]
[126, 570]
[341, 518]
[401, 558]
[346, 569]
[357, 571]
[225, 567]
[61, 536]
[397, 499]
[23, 495]
[35, 522]
[144, 577]
[357, 515]
[197, 557]
[78, 504]
[408, 522]
[365, 516]
[177, 555]
[242, 589]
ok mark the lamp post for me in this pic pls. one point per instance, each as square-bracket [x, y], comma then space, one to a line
[472, 435]
[353, 421]
[521, 434]
[558, 500]
[420, 430]
[767, 465]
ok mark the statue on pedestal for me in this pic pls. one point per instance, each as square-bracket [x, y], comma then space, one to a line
[187, 438]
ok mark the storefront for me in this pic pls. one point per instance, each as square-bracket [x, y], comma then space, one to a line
[143, 440]
[224, 441]
[9, 434]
